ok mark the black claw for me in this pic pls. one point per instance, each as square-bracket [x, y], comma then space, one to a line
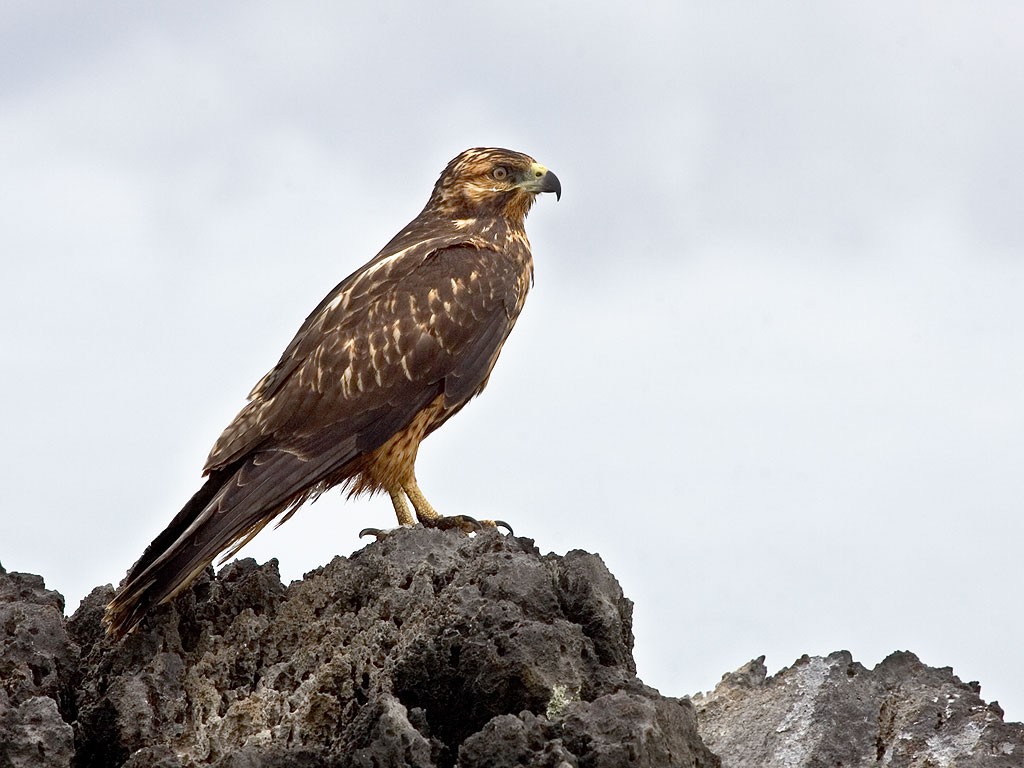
[464, 523]
[375, 532]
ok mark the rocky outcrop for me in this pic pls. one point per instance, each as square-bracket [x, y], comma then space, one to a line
[433, 649]
[37, 663]
[834, 712]
[425, 649]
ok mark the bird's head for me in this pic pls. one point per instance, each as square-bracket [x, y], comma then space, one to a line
[491, 182]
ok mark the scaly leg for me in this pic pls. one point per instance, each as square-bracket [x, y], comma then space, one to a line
[427, 515]
[431, 518]
[424, 511]
[401, 508]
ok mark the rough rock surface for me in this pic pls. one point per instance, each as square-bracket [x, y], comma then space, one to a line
[433, 649]
[36, 662]
[428, 648]
[834, 712]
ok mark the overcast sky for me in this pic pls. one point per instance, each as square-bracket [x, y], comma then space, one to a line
[772, 369]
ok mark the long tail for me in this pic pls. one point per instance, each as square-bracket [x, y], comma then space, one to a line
[165, 568]
[233, 505]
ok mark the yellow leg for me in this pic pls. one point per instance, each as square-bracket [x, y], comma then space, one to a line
[427, 515]
[424, 511]
[401, 508]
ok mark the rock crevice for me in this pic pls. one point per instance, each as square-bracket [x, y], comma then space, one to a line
[432, 649]
[425, 649]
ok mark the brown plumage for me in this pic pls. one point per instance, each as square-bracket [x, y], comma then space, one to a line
[388, 356]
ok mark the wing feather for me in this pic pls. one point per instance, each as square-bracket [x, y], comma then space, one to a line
[433, 318]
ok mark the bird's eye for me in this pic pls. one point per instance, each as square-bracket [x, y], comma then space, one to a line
[500, 173]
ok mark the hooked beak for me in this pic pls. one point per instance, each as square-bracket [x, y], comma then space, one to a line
[540, 179]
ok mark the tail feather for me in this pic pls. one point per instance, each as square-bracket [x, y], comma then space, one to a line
[223, 514]
[234, 504]
[155, 578]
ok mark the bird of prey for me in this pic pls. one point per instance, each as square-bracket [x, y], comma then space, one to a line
[394, 351]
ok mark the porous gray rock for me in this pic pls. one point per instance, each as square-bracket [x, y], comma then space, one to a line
[432, 649]
[37, 660]
[413, 651]
[832, 711]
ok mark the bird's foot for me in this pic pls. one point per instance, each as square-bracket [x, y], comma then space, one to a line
[464, 523]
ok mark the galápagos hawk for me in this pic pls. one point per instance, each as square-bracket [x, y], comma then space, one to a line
[394, 351]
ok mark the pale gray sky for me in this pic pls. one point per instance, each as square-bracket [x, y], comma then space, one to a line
[773, 366]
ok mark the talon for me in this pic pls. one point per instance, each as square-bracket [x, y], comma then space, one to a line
[464, 523]
[375, 532]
